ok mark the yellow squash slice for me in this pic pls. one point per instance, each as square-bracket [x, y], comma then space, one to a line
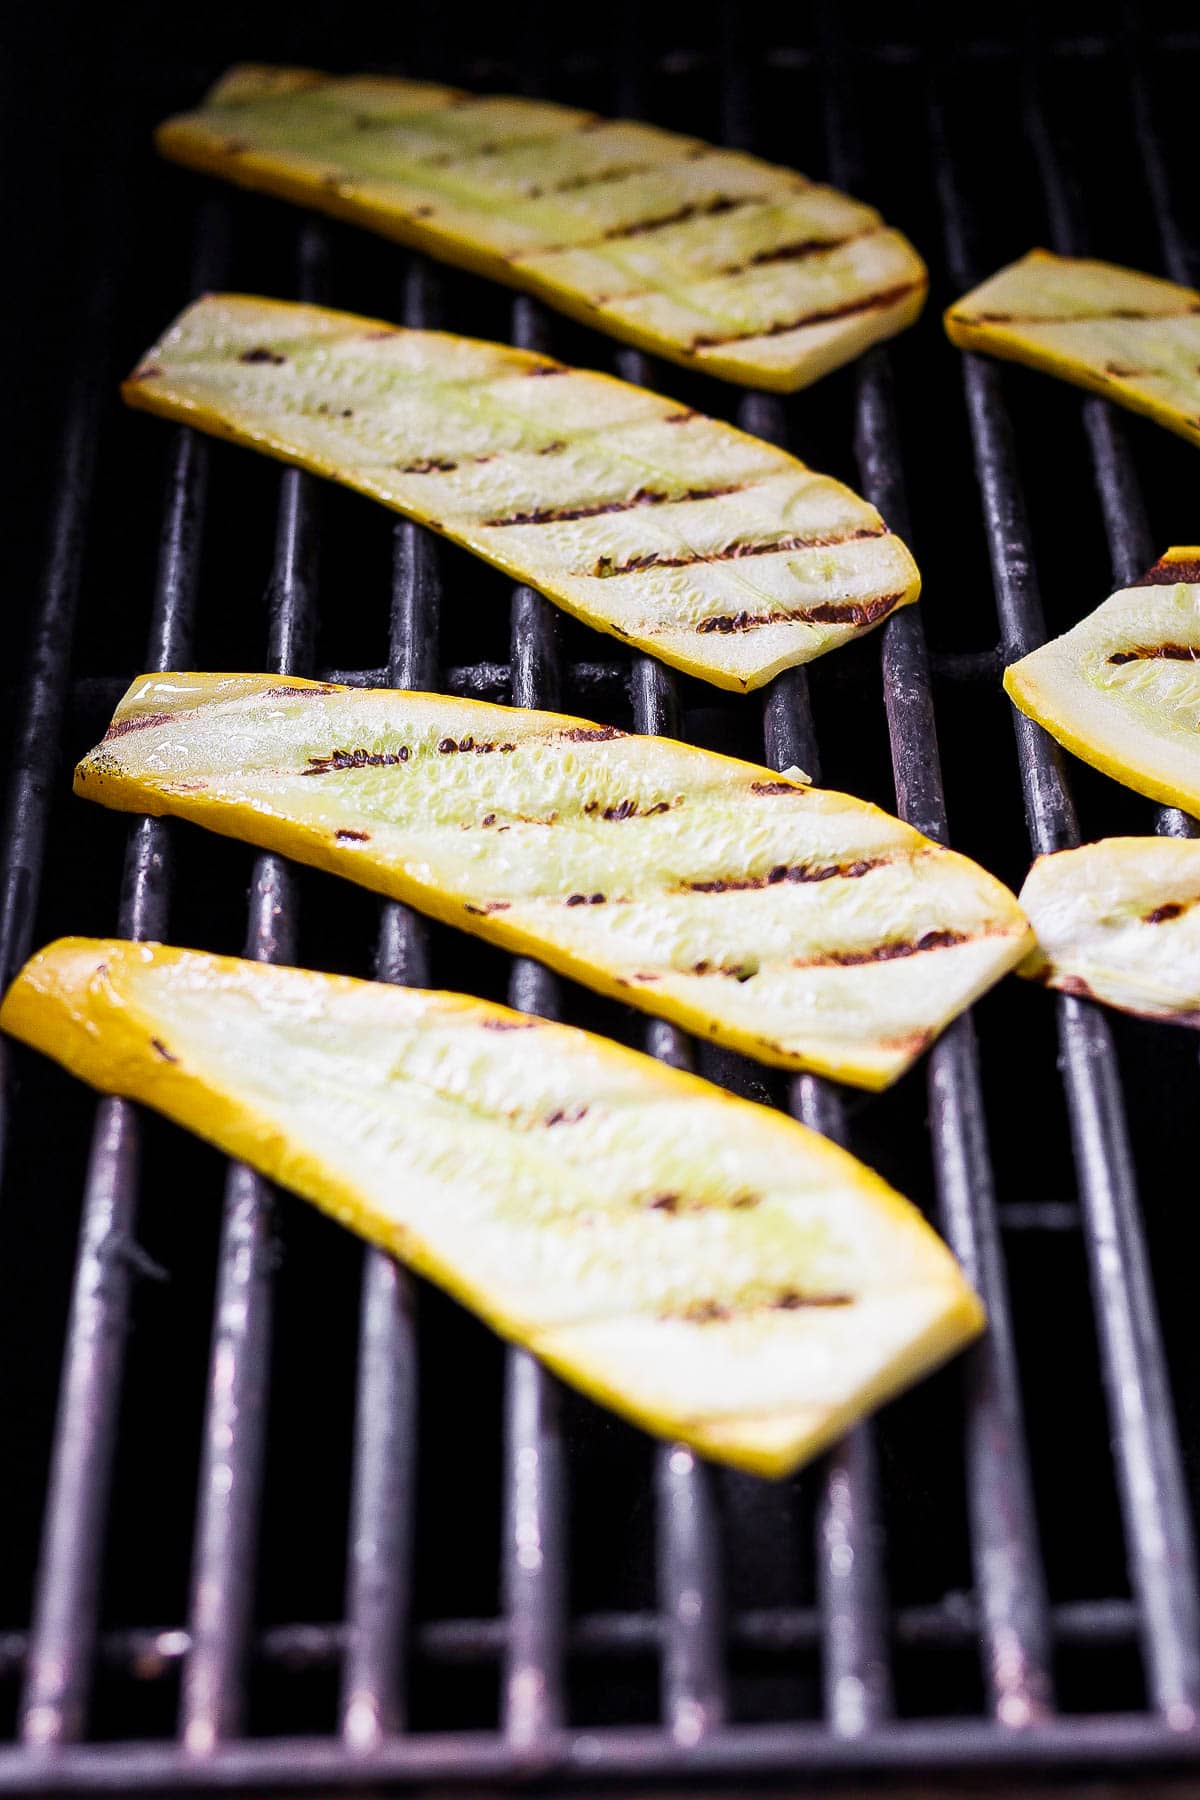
[805, 928]
[705, 1266]
[1119, 921]
[708, 548]
[1122, 690]
[1133, 338]
[707, 256]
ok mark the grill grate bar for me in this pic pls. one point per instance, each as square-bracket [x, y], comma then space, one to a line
[1126, 522]
[691, 1671]
[383, 1488]
[1006, 1554]
[533, 1555]
[1146, 1446]
[212, 1701]
[62, 1637]
[855, 1668]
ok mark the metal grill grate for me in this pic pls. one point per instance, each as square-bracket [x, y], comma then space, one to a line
[527, 1588]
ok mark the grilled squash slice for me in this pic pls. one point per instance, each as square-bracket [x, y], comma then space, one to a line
[1122, 690]
[710, 257]
[710, 549]
[1119, 921]
[1133, 338]
[705, 1266]
[806, 928]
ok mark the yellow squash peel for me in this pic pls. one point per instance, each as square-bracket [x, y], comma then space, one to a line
[1133, 338]
[704, 1266]
[1119, 921]
[712, 550]
[806, 928]
[707, 256]
[1122, 689]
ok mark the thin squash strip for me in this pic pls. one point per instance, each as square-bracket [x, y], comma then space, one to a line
[1133, 338]
[808, 929]
[1122, 689]
[707, 256]
[705, 1266]
[1119, 921]
[710, 549]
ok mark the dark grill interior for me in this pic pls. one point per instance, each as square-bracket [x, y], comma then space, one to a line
[301, 1521]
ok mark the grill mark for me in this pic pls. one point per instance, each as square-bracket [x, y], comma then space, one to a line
[143, 721]
[712, 1312]
[673, 1203]
[508, 1024]
[591, 734]
[449, 746]
[356, 759]
[788, 872]
[1170, 909]
[568, 1115]
[594, 178]
[1166, 573]
[1124, 371]
[346, 836]
[605, 568]
[828, 612]
[890, 952]
[160, 1050]
[557, 515]
[799, 250]
[261, 354]
[695, 209]
[869, 303]
[777, 787]
[1157, 653]
[1085, 318]
[489, 906]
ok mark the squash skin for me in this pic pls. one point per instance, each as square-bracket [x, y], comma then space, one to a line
[708, 291]
[1129, 337]
[1116, 690]
[1119, 921]
[706, 547]
[329, 1085]
[807, 929]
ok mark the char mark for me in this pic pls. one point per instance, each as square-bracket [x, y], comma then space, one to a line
[890, 952]
[787, 872]
[1157, 653]
[712, 1312]
[696, 209]
[777, 787]
[1085, 318]
[824, 316]
[261, 354]
[591, 178]
[798, 251]
[561, 515]
[356, 759]
[347, 836]
[1166, 573]
[160, 1050]
[1170, 909]
[591, 734]
[121, 727]
[781, 546]
[428, 465]
[860, 613]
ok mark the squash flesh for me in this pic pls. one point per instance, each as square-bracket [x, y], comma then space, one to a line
[708, 548]
[1122, 689]
[707, 256]
[1133, 338]
[1119, 921]
[806, 928]
[708, 1267]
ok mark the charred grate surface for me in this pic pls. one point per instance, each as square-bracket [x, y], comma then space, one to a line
[276, 1514]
